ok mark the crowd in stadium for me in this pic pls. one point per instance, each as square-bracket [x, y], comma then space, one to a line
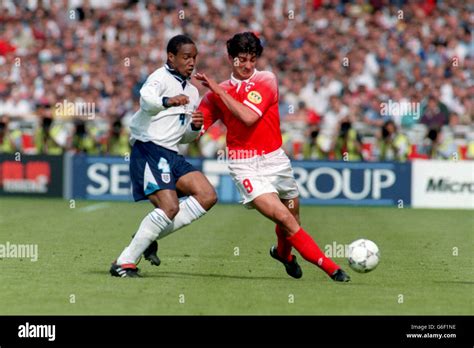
[358, 80]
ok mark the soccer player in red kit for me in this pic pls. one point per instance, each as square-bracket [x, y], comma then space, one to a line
[247, 104]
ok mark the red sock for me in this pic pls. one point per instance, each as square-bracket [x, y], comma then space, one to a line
[283, 247]
[310, 251]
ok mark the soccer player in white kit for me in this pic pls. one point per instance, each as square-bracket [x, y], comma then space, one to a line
[158, 173]
[247, 104]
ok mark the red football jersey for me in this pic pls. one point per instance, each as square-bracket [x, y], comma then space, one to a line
[260, 94]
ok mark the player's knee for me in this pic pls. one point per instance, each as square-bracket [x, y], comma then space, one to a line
[207, 198]
[171, 210]
[285, 219]
[211, 199]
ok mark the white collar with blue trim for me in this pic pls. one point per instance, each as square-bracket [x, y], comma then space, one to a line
[177, 75]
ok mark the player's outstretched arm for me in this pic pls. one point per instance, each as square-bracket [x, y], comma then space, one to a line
[239, 110]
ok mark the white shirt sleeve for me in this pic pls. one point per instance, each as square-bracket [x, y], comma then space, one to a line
[151, 97]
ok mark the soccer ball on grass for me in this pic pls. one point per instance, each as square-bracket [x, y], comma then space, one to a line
[364, 255]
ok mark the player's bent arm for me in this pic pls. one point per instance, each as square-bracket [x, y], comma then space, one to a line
[242, 112]
[194, 128]
[190, 134]
[151, 100]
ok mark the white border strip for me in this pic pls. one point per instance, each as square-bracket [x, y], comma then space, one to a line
[253, 107]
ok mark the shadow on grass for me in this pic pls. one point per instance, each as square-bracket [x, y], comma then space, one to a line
[151, 273]
[208, 275]
[161, 274]
[453, 282]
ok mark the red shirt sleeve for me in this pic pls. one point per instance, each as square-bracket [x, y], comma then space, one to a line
[208, 107]
[259, 96]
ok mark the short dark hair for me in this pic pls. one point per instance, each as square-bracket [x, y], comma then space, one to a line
[176, 42]
[246, 42]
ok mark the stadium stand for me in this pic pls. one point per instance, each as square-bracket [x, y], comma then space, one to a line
[375, 80]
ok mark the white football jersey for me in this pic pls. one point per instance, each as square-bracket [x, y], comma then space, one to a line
[166, 127]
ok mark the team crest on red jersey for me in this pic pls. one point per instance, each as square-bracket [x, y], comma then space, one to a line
[254, 97]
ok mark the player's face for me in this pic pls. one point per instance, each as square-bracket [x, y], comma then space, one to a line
[185, 61]
[243, 65]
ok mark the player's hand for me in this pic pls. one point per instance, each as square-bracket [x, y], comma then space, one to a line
[178, 100]
[197, 118]
[209, 83]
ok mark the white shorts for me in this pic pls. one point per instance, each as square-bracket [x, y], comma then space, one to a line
[270, 173]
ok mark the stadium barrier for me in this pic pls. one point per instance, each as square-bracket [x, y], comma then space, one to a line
[101, 177]
[332, 183]
[419, 184]
[28, 175]
[443, 184]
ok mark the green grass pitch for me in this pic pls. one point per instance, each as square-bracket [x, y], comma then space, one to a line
[426, 264]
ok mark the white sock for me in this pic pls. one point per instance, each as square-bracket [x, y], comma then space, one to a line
[149, 230]
[189, 210]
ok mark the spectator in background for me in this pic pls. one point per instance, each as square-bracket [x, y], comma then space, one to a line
[348, 144]
[312, 131]
[10, 140]
[295, 128]
[82, 141]
[88, 139]
[470, 148]
[359, 50]
[330, 122]
[213, 141]
[467, 111]
[372, 116]
[435, 113]
[393, 146]
[439, 145]
[118, 141]
[16, 104]
[46, 135]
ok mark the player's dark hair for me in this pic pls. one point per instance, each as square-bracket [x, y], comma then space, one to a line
[176, 42]
[244, 43]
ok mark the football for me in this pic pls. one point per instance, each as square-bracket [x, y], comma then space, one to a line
[364, 255]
